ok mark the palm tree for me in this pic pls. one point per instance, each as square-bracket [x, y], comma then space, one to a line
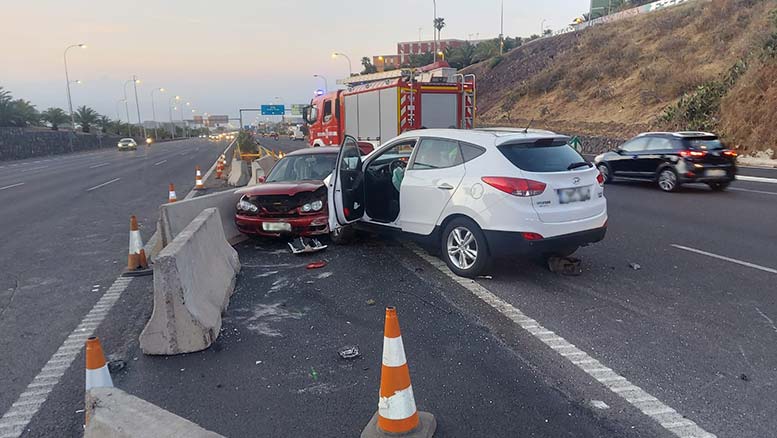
[86, 117]
[55, 117]
[439, 23]
[19, 112]
[104, 123]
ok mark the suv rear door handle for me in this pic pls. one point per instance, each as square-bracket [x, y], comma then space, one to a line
[445, 186]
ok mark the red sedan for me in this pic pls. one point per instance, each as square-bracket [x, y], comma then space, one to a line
[292, 200]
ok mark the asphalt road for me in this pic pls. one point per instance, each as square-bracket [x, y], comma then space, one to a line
[64, 231]
[694, 326]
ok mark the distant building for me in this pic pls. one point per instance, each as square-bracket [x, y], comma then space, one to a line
[407, 48]
[386, 62]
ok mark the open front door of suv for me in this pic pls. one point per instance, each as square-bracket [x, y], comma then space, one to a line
[348, 194]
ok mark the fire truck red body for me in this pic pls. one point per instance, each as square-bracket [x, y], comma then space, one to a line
[380, 106]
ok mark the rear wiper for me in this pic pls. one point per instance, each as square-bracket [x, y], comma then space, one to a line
[579, 164]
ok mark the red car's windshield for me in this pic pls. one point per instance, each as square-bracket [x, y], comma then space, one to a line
[303, 167]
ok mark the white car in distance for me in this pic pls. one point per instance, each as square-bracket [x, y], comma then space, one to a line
[474, 194]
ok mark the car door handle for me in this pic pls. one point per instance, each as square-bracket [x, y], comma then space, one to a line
[445, 186]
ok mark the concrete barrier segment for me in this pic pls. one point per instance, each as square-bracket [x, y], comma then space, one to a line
[194, 276]
[116, 414]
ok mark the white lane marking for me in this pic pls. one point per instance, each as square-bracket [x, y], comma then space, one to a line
[99, 165]
[37, 168]
[649, 405]
[737, 189]
[728, 259]
[757, 179]
[161, 162]
[15, 421]
[103, 184]
[12, 186]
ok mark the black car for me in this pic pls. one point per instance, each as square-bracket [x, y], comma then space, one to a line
[671, 159]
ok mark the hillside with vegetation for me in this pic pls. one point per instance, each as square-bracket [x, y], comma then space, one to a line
[708, 65]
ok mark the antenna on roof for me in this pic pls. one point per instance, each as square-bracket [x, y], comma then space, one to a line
[526, 130]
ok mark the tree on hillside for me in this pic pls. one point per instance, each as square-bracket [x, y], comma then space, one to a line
[547, 32]
[19, 113]
[368, 67]
[86, 117]
[420, 60]
[461, 56]
[54, 117]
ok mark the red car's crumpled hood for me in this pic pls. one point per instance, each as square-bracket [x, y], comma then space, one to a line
[282, 188]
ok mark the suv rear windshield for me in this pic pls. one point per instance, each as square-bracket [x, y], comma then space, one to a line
[542, 156]
[712, 144]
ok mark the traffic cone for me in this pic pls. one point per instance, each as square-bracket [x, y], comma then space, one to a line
[198, 185]
[219, 168]
[97, 374]
[397, 414]
[137, 264]
[171, 197]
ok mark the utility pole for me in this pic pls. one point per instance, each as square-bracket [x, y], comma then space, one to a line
[434, 25]
[502, 29]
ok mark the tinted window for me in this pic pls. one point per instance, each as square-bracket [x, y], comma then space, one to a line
[659, 144]
[303, 167]
[542, 157]
[327, 110]
[470, 152]
[705, 145]
[636, 145]
[434, 153]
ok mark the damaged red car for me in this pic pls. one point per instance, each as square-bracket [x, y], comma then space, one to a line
[293, 198]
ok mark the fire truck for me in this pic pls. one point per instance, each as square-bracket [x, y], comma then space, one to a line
[377, 107]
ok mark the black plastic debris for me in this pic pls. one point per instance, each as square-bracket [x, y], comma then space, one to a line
[349, 352]
[565, 265]
[635, 266]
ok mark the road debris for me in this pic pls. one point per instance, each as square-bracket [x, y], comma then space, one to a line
[349, 352]
[316, 265]
[313, 373]
[565, 265]
[303, 245]
[744, 377]
[370, 302]
[635, 266]
[485, 277]
[598, 404]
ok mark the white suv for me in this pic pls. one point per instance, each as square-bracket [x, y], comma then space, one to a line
[475, 194]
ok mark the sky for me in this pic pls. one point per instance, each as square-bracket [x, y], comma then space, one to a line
[228, 54]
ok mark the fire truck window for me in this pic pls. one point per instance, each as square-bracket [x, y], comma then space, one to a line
[327, 110]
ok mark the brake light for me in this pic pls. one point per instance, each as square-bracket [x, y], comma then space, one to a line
[531, 236]
[730, 153]
[515, 186]
[694, 154]
[600, 178]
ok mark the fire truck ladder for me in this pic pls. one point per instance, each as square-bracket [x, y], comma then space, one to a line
[467, 115]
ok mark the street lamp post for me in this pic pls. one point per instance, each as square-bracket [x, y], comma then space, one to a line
[126, 105]
[434, 24]
[542, 27]
[326, 84]
[153, 111]
[170, 109]
[118, 116]
[350, 67]
[135, 83]
[69, 97]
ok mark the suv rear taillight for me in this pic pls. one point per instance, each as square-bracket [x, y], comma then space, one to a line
[694, 154]
[515, 186]
[730, 153]
[600, 178]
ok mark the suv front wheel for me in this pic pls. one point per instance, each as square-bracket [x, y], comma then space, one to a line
[667, 180]
[464, 248]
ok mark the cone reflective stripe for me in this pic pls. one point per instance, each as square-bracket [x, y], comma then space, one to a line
[396, 406]
[97, 375]
[172, 197]
[136, 257]
[198, 185]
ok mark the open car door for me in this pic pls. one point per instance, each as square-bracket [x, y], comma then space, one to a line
[349, 183]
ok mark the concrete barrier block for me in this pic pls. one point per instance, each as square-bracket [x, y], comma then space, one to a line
[116, 414]
[256, 172]
[238, 173]
[194, 277]
[176, 216]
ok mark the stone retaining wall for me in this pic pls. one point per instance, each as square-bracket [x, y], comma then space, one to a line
[19, 143]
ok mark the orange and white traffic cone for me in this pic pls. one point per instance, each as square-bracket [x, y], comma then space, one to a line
[137, 264]
[397, 414]
[219, 168]
[171, 197]
[97, 375]
[198, 185]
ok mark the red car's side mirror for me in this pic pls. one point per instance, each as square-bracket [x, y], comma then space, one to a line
[261, 179]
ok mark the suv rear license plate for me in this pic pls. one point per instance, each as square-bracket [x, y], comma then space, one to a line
[276, 226]
[574, 194]
[715, 172]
